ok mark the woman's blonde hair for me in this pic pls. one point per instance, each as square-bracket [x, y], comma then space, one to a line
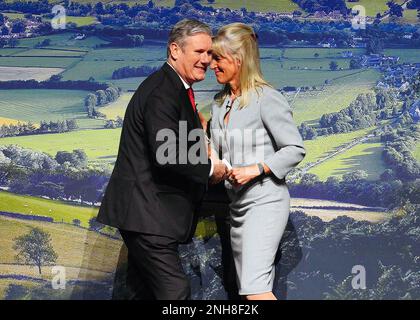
[239, 41]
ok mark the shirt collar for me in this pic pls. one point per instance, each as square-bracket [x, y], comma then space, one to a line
[186, 85]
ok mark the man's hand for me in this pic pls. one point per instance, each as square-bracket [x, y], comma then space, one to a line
[220, 172]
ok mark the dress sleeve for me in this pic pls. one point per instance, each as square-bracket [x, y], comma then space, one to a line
[277, 118]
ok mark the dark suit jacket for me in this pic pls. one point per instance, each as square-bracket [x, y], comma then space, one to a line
[144, 195]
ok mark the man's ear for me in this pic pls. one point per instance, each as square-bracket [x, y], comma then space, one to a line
[174, 50]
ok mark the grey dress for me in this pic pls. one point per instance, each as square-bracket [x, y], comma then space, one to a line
[262, 131]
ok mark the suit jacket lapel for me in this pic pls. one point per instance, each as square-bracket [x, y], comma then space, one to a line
[185, 100]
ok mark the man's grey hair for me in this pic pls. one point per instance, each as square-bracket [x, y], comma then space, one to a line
[186, 28]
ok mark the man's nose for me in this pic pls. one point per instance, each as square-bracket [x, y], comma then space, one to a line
[206, 58]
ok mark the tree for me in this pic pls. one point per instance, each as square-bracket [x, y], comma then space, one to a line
[35, 248]
[375, 45]
[355, 176]
[355, 64]
[56, 77]
[4, 31]
[90, 103]
[395, 9]
[18, 27]
[72, 124]
[333, 65]
[13, 42]
[94, 225]
[100, 97]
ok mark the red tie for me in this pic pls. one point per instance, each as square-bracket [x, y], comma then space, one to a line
[191, 95]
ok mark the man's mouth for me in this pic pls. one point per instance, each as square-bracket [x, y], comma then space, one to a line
[202, 68]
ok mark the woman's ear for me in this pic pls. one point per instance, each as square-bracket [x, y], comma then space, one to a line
[238, 62]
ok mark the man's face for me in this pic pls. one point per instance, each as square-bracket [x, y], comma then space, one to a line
[193, 58]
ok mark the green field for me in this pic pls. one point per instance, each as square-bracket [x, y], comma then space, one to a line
[46, 62]
[117, 108]
[43, 104]
[310, 106]
[79, 21]
[264, 6]
[372, 6]
[64, 41]
[59, 211]
[101, 63]
[322, 146]
[366, 156]
[99, 145]
[308, 53]
[4, 52]
[410, 16]
[406, 55]
[49, 53]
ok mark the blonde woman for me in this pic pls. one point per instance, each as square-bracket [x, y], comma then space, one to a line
[253, 130]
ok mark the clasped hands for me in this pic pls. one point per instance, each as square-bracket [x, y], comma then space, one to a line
[238, 176]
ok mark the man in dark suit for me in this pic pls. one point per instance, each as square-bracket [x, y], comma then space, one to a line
[160, 176]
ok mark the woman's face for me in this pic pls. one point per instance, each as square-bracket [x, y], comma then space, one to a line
[226, 69]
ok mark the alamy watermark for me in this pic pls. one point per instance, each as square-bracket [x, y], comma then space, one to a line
[359, 278]
[59, 19]
[59, 280]
[359, 20]
[190, 147]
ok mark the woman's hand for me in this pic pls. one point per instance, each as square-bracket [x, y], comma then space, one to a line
[242, 175]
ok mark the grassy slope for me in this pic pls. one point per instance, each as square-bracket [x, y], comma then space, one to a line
[59, 211]
[85, 254]
[117, 108]
[372, 6]
[311, 106]
[321, 146]
[43, 104]
[365, 156]
[99, 145]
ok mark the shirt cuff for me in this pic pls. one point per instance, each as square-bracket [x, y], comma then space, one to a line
[211, 168]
